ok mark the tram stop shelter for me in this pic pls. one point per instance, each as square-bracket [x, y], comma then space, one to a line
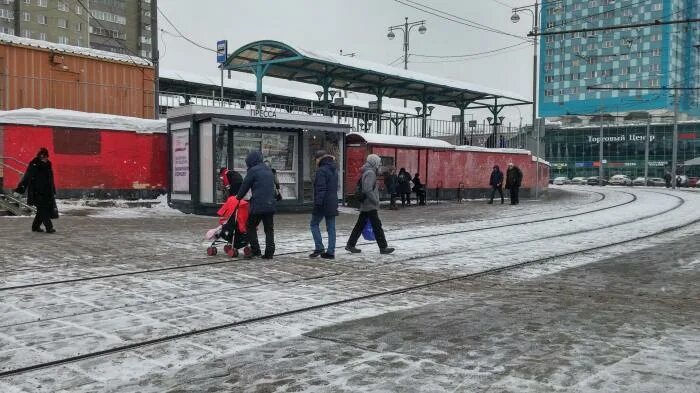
[285, 61]
[204, 139]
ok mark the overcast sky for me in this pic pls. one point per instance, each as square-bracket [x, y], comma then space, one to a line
[358, 26]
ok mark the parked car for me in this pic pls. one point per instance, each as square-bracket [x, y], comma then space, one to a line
[593, 181]
[657, 182]
[620, 180]
[578, 180]
[682, 181]
[693, 181]
[639, 181]
[560, 181]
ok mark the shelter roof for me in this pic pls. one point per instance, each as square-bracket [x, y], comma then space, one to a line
[281, 60]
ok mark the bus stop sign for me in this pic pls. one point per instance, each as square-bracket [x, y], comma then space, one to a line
[221, 51]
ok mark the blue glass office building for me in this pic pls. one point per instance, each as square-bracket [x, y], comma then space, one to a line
[636, 59]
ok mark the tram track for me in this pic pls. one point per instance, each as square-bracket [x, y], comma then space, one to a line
[374, 266]
[283, 242]
[227, 261]
[300, 310]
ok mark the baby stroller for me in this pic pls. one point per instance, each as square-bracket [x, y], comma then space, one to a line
[231, 231]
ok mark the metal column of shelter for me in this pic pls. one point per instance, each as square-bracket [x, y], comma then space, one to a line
[495, 110]
[462, 105]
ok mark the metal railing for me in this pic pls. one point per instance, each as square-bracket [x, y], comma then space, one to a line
[360, 119]
[8, 166]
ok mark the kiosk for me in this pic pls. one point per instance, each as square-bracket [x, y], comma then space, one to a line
[201, 140]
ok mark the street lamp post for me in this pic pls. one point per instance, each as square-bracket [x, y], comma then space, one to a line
[515, 18]
[406, 29]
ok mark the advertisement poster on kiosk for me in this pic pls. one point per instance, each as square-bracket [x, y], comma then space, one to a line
[181, 161]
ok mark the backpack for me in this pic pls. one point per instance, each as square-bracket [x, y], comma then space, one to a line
[359, 195]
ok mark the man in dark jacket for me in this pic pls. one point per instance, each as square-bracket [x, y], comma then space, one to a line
[41, 190]
[260, 181]
[404, 179]
[369, 207]
[496, 183]
[514, 177]
[325, 204]
[419, 189]
[391, 182]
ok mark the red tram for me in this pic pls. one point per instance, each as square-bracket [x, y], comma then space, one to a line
[449, 172]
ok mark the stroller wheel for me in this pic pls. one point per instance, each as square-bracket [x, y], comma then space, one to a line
[230, 251]
[211, 251]
[247, 251]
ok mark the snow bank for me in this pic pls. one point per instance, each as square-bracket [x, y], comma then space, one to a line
[75, 119]
[121, 209]
[395, 140]
[75, 50]
[492, 150]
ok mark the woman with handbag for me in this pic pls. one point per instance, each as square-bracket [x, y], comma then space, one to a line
[41, 191]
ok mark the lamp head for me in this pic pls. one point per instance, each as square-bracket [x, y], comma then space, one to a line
[391, 35]
[319, 94]
[419, 109]
[422, 29]
[515, 18]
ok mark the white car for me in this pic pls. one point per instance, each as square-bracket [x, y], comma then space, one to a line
[578, 180]
[620, 180]
[560, 181]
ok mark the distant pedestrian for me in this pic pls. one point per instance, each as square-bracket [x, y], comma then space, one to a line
[369, 207]
[496, 183]
[39, 184]
[514, 178]
[391, 182]
[260, 181]
[419, 189]
[325, 204]
[404, 179]
[231, 180]
[501, 141]
[278, 192]
[667, 179]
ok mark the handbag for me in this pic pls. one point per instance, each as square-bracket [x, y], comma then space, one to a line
[54, 211]
[367, 232]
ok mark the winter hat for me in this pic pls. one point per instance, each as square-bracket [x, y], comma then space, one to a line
[320, 154]
[374, 161]
[43, 152]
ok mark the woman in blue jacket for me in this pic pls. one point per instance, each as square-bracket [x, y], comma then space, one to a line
[325, 204]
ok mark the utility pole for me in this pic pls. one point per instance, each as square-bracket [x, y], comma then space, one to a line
[18, 23]
[646, 153]
[600, 152]
[674, 154]
[155, 58]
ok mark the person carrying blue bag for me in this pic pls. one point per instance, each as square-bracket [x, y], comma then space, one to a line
[325, 204]
[369, 207]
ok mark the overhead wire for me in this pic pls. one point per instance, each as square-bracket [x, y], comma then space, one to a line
[470, 54]
[181, 35]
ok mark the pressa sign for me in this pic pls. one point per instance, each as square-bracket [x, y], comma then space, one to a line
[262, 113]
[221, 51]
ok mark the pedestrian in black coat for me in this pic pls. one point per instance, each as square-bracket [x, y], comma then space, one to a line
[496, 183]
[514, 178]
[391, 181]
[39, 184]
[404, 180]
[419, 189]
[325, 204]
[260, 181]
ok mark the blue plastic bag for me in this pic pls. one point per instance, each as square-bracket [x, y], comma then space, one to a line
[367, 231]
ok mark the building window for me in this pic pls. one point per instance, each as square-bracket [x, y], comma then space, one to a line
[108, 17]
[78, 9]
[27, 1]
[27, 16]
[547, 66]
[26, 33]
[607, 44]
[627, 12]
[42, 3]
[593, 3]
[62, 23]
[655, 37]
[577, 6]
[62, 6]
[656, 52]
[79, 41]
[657, 7]
[655, 68]
[42, 36]
[41, 19]
[63, 40]
[145, 53]
[654, 83]
[6, 14]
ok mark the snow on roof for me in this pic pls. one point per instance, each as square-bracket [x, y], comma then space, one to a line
[492, 150]
[239, 84]
[395, 140]
[693, 162]
[76, 50]
[75, 119]
[355, 62]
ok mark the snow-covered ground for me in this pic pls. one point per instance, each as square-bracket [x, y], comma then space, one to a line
[146, 277]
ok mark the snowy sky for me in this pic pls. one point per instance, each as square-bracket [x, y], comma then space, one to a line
[359, 26]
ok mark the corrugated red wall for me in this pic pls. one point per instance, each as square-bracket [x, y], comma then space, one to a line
[445, 169]
[123, 160]
[38, 78]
